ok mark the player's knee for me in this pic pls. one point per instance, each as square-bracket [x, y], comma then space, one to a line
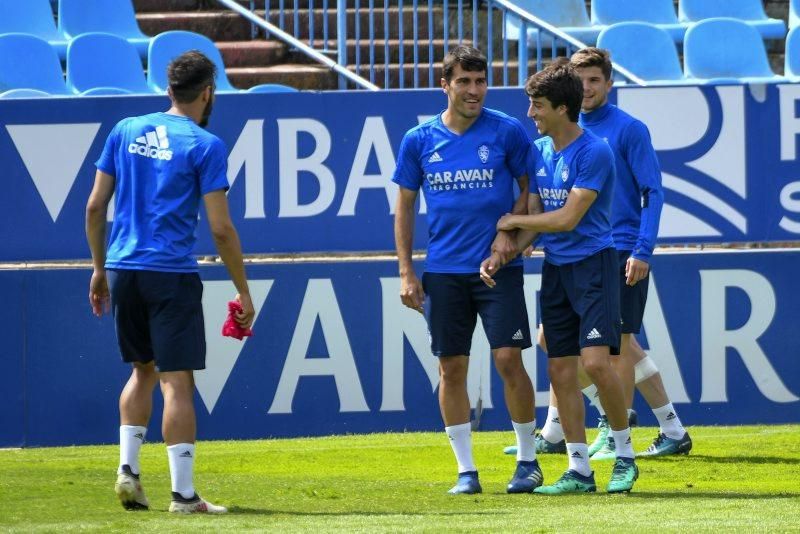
[644, 369]
[453, 369]
[509, 366]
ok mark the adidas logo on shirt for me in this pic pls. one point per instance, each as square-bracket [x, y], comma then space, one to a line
[152, 144]
[594, 334]
[517, 335]
[541, 172]
[434, 158]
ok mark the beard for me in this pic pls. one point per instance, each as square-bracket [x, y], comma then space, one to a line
[206, 113]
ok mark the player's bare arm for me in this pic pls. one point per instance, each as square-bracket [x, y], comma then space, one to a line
[561, 220]
[96, 212]
[411, 293]
[505, 243]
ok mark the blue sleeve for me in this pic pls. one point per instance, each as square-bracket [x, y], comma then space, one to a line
[518, 147]
[211, 165]
[107, 161]
[531, 167]
[643, 162]
[408, 172]
[595, 167]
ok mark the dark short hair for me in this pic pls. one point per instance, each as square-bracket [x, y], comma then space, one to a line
[470, 58]
[189, 74]
[559, 84]
[592, 57]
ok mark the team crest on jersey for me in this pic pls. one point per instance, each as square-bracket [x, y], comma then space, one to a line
[565, 174]
[483, 153]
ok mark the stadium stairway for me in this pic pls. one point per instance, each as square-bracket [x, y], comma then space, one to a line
[256, 61]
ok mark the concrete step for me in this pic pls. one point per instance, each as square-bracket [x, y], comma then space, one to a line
[255, 53]
[216, 25]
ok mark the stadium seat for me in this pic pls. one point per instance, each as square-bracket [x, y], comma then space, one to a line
[658, 12]
[792, 60]
[34, 17]
[166, 46]
[27, 62]
[794, 13]
[646, 50]
[103, 60]
[24, 93]
[272, 88]
[111, 16]
[568, 15]
[723, 49]
[749, 11]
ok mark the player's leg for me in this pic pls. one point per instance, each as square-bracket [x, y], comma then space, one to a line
[451, 318]
[672, 436]
[136, 399]
[178, 336]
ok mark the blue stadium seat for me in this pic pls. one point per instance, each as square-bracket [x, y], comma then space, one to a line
[272, 88]
[658, 12]
[24, 93]
[110, 16]
[168, 45]
[724, 49]
[792, 60]
[646, 50]
[749, 11]
[96, 60]
[568, 15]
[27, 62]
[794, 13]
[34, 17]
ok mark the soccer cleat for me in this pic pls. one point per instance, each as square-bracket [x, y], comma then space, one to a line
[607, 451]
[466, 484]
[129, 490]
[664, 446]
[195, 505]
[603, 430]
[570, 482]
[527, 477]
[623, 476]
[542, 446]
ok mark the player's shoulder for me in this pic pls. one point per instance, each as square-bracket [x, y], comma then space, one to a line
[628, 122]
[423, 129]
[593, 145]
[543, 144]
[500, 118]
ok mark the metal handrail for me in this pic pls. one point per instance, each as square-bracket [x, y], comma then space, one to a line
[307, 50]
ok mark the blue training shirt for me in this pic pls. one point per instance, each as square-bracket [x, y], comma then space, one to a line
[638, 195]
[468, 183]
[586, 163]
[162, 164]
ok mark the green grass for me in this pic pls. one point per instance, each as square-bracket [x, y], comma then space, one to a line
[735, 478]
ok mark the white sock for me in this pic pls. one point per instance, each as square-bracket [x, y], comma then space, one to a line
[622, 443]
[526, 447]
[578, 454]
[181, 468]
[552, 430]
[669, 422]
[130, 441]
[461, 442]
[593, 395]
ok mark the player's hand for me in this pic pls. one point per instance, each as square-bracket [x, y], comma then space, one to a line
[489, 267]
[528, 252]
[411, 293]
[506, 223]
[504, 246]
[636, 271]
[245, 317]
[99, 297]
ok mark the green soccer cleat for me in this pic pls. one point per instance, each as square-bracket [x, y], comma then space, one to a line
[542, 446]
[623, 476]
[664, 446]
[606, 452]
[570, 482]
[604, 429]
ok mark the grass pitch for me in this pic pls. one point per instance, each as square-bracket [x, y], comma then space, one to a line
[736, 478]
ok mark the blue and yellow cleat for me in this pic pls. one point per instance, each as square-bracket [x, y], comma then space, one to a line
[466, 484]
[527, 477]
[664, 446]
[570, 482]
[623, 476]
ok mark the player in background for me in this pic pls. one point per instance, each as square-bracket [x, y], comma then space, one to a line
[158, 167]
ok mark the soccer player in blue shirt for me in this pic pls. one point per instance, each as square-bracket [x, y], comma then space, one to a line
[466, 160]
[579, 298]
[638, 199]
[158, 167]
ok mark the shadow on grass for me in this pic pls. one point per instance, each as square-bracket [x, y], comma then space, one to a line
[730, 459]
[264, 511]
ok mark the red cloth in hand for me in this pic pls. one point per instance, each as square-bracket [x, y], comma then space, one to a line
[231, 328]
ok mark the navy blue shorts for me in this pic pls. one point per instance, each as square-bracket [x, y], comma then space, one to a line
[632, 299]
[159, 316]
[454, 301]
[580, 304]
